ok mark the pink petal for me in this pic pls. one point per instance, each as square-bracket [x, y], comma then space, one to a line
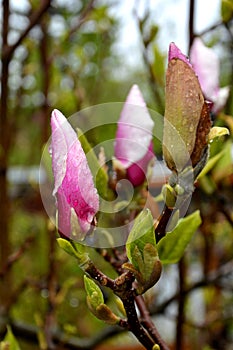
[220, 99]
[136, 173]
[64, 214]
[73, 178]
[175, 53]
[206, 65]
[134, 130]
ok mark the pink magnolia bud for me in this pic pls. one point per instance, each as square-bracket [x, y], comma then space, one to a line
[133, 146]
[207, 65]
[77, 198]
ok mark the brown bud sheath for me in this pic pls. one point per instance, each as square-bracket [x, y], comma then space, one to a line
[187, 120]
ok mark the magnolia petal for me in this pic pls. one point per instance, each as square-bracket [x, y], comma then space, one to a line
[134, 130]
[206, 65]
[58, 148]
[175, 52]
[136, 173]
[221, 99]
[73, 178]
[63, 214]
[79, 188]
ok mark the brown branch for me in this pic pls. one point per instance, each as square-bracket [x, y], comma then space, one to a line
[191, 22]
[52, 291]
[148, 324]
[160, 230]
[82, 18]
[45, 71]
[8, 50]
[30, 334]
[4, 139]
[211, 28]
[212, 278]
[153, 81]
[134, 325]
[14, 257]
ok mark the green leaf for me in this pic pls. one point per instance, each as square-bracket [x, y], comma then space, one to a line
[94, 293]
[142, 233]
[223, 167]
[217, 131]
[142, 253]
[95, 302]
[227, 10]
[9, 341]
[75, 249]
[171, 248]
[100, 176]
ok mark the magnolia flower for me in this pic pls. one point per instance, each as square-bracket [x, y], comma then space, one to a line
[207, 65]
[133, 145]
[77, 198]
[186, 119]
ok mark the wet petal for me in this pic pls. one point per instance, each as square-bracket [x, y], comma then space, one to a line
[73, 178]
[134, 129]
[136, 173]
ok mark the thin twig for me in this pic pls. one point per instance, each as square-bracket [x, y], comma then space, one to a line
[191, 22]
[212, 278]
[14, 257]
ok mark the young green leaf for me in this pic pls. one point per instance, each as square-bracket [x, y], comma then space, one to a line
[76, 250]
[171, 247]
[94, 293]
[9, 341]
[142, 233]
[142, 253]
[95, 302]
[217, 131]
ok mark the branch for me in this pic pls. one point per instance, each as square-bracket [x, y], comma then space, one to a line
[148, 324]
[212, 278]
[62, 341]
[153, 81]
[82, 18]
[209, 29]
[16, 255]
[160, 230]
[8, 50]
[191, 22]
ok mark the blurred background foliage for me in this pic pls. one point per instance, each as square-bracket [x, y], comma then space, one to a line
[68, 60]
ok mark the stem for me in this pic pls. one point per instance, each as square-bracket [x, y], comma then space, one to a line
[4, 151]
[52, 290]
[148, 324]
[122, 287]
[45, 72]
[191, 22]
[160, 230]
[181, 304]
[134, 325]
